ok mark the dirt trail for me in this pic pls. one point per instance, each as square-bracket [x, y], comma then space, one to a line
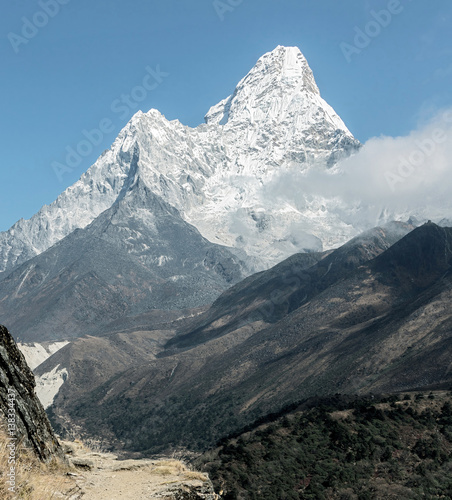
[101, 476]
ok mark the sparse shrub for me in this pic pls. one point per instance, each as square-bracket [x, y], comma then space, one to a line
[34, 480]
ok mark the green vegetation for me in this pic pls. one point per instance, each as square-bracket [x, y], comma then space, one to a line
[396, 447]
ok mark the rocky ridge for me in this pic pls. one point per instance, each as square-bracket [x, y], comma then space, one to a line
[136, 256]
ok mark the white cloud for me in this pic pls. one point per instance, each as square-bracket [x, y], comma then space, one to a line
[412, 172]
[410, 175]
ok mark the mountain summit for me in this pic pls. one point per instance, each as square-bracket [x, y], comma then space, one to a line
[279, 99]
[219, 174]
[268, 89]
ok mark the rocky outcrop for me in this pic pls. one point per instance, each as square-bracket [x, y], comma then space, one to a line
[25, 419]
[205, 492]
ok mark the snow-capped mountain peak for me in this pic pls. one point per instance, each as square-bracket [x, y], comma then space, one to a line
[267, 89]
[216, 174]
[279, 84]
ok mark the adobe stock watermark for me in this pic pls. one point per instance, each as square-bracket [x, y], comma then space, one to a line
[425, 148]
[12, 440]
[40, 19]
[363, 36]
[123, 106]
[223, 7]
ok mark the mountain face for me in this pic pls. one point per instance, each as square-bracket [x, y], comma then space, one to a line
[260, 299]
[137, 255]
[377, 325]
[217, 174]
[270, 295]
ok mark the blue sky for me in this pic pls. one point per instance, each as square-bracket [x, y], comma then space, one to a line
[66, 76]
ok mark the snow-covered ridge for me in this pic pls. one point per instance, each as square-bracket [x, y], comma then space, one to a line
[76, 207]
[258, 97]
[216, 174]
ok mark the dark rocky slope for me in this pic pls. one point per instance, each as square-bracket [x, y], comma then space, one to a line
[383, 325]
[270, 295]
[136, 256]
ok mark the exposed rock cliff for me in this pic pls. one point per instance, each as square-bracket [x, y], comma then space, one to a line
[25, 417]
